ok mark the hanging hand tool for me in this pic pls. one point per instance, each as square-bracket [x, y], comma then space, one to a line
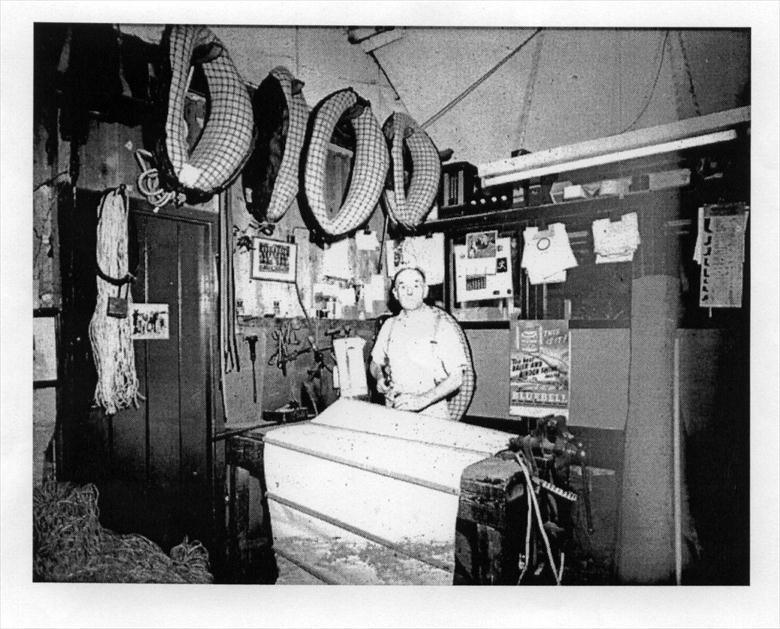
[252, 341]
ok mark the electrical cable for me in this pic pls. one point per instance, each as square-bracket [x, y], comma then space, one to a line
[652, 88]
[528, 526]
[529, 92]
[557, 573]
[478, 82]
[382, 245]
[387, 78]
[303, 308]
[691, 86]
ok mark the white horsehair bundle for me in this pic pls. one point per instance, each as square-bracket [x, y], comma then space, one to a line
[111, 337]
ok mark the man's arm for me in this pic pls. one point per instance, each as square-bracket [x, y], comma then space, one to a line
[378, 357]
[411, 402]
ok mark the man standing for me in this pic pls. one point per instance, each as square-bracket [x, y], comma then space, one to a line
[417, 359]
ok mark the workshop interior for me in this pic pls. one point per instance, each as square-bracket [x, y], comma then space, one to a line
[218, 216]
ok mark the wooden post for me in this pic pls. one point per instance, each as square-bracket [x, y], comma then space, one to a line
[251, 542]
[645, 549]
[490, 522]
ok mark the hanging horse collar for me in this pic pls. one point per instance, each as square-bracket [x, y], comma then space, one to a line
[409, 209]
[370, 164]
[227, 138]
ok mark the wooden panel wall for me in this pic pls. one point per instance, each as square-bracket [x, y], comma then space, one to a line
[273, 387]
[598, 382]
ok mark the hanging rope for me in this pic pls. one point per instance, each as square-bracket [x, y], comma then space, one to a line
[148, 182]
[111, 337]
[478, 82]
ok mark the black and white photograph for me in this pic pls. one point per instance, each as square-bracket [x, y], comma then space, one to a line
[568, 418]
[150, 321]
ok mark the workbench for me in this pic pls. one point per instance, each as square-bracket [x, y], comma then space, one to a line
[481, 524]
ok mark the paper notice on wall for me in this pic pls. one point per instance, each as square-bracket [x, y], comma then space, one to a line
[335, 260]
[366, 241]
[472, 284]
[351, 366]
[720, 249]
[539, 368]
[547, 254]
[424, 252]
[375, 292]
[616, 241]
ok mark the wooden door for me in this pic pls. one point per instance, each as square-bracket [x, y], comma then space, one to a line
[163, 449]
[155, 466]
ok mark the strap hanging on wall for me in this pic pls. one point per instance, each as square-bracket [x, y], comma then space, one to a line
[370, 165]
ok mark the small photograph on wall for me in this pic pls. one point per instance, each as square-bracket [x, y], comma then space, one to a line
[481, 244]
[273, 260]
[150, 321]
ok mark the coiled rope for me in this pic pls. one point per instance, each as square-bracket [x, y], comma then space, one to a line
[149, 185]
[111, 337]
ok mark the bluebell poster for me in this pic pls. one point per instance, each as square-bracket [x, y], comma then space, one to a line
[539, 368]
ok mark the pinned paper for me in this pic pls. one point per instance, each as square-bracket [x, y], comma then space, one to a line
[374, 291]
[351, 366]
[547, 254]
[366, 241]
[616, 241]
[425, 252]
[335, 260]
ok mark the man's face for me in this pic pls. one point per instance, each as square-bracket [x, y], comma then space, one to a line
[410, 289]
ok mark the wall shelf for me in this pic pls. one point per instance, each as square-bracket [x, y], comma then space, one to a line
[552, 212]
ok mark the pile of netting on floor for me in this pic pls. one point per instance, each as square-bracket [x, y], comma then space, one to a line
[70, 545]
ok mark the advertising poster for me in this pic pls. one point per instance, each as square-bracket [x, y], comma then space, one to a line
[273, 260]
[539, 368]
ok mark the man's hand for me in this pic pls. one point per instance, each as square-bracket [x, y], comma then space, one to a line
[411, 402]
[382, 387]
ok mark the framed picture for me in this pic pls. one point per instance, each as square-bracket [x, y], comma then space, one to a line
[150, 321]
[45, 344]
[273, 260]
